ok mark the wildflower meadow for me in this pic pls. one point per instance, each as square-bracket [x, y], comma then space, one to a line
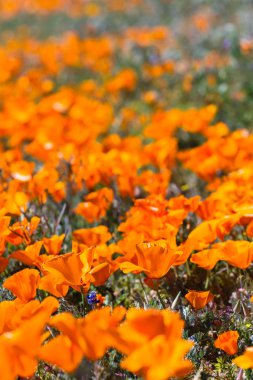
[126, 189]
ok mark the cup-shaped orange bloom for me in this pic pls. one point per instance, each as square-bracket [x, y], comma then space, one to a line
[227, 342]
[23, 284]
[61, 272]
[207, 258]
[236, 253]
[245, 360]
[153, 345]
[14, 313]
[157, 257]
[30, 255]
[154, 259]
[21, 232]
[199, 299]
[206, 232]
[159, 360]
[62, 352]
[77, 270]
[92, 236]
[19, 347]
[53, 244]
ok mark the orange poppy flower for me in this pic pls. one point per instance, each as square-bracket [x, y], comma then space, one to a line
[62, 352]
[77, 270]
[95, 205]
[53, 244]
[227, 342]
[199, 299]
[125, 80]
[19, 348]
[153, 345]
[15, 202]
[46, 181]
[22, 231]
[206, 232]
[22, 170]
[63, 271]
[207, 258]
[236, 253]
[90, 336]
[15, 313]
[23, 284]
[154, 183]
[245, 360]
[92, 236]
[154, 259]
[30, 255]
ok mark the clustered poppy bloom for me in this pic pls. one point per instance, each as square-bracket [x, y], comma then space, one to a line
[147, 339]
[88, 199]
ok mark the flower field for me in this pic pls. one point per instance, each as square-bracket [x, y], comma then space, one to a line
[126, 189]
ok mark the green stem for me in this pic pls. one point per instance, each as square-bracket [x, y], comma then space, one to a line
[160, 298]
[188, 270]
[83, 302]
[144, 291]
